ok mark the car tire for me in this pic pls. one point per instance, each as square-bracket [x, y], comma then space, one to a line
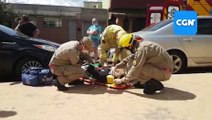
[26, 63]
[179, 61]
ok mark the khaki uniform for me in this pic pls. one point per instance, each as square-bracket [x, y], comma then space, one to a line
[149, 61]
[66, 62]
[109, 38]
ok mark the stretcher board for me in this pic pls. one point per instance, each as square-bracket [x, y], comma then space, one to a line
[114, 86]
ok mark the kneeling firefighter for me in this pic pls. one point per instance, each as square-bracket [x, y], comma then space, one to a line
[149, 63]
[66, 62]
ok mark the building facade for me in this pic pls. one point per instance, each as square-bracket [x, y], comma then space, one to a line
[88, 4]
[61, 23]
[130, 14]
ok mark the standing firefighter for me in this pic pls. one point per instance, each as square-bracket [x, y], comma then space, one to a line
[67, 60]
[109, 39]
[149, 64]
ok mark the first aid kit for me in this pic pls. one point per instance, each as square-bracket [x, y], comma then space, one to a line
[37, 77]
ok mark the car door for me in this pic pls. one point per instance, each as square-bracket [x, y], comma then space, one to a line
[8, 51]
[199, 46]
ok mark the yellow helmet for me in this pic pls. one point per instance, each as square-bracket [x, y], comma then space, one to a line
[125, 41]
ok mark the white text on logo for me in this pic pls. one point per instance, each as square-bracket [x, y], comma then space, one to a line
[185, 22]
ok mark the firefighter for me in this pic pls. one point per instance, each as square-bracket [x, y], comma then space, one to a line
[149, 63]
[109, 39]
[66, 62]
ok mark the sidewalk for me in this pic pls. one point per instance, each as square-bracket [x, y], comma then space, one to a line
[186, 97]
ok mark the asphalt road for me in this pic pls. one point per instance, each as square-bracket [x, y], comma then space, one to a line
[185, 97]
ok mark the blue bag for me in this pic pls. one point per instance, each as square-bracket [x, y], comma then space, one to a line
[45, 77]
[37, 77]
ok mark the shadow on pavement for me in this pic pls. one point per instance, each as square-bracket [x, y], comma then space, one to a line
[167, 94]
[92, 89]
[13, 80]
[197, 70]
[15, 83]
[4, 114]
[8, 79]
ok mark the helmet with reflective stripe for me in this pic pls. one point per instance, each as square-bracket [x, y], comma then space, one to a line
[125, 41]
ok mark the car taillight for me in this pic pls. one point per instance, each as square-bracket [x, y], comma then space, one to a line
[139, 39]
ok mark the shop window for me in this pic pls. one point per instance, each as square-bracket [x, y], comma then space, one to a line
[155, 18]
[52, 22]
[138, 24]
[112, 19]
[126, 24]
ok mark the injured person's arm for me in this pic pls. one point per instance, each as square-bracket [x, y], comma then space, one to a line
[119, 70]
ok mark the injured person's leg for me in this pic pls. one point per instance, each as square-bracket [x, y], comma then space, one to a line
[99, 74]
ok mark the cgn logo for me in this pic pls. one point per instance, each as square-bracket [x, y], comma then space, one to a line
[185, 22]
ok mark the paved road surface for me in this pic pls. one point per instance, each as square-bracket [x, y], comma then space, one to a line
[186, 97]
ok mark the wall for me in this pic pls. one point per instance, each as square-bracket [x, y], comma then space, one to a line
[130, 14]
[59, 35]
[88, 4]
[106, 4]
[132, 4]
[78, 16]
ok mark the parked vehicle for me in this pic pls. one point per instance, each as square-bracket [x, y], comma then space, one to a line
[166, 9]
[186, 50]
[18, 52]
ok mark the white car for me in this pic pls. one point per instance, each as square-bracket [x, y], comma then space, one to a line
[186, 50]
